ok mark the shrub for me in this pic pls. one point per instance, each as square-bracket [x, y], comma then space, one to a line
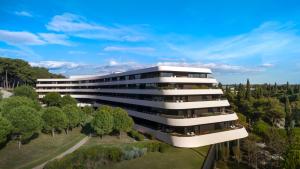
[94, 156]
[134, 152]
[150, 136]
[261, 128]
[163, 147]
[136, 135]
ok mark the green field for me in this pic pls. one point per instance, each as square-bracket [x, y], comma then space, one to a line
[39, 150]
[108, 140]
[175, 158]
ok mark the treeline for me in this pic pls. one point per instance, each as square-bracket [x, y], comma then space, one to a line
[22, 117]
[271, 114]
[16, 72]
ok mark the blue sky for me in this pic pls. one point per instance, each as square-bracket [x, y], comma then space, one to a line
[259, 40]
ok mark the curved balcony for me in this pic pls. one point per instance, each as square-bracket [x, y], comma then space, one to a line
[158, 104]
[181, 121]
[135, 81]
[164, 92]
[190, 141]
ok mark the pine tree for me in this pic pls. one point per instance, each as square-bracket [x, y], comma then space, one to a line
[248, 90]
[288, 118]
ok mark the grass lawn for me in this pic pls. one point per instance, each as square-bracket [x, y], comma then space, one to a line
[174, 158]
[108, 140]
[38, 150]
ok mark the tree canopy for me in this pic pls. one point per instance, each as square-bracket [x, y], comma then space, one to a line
[68, 100]
[5, 129]
[73, 114]
[54, 119]
[121, 120]
[6, 105]
[14, 72]
[103, 121]
[53, 99]
[26, 91]
[25, 121]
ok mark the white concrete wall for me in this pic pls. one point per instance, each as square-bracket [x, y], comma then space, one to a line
[198, 140]
[184, 121]
[142, 91]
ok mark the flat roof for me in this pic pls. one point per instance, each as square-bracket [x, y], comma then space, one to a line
[131, 72]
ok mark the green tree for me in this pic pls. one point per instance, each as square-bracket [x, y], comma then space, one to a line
[26, 91]
[248, 90]
[73, 114]
[53, 99]
[54, 119]
[5, 129]
[89, 110]
[25, 121]
[274, 111]
[103, 121]
[288, 118]
[6, 105]
[121, 121]
[67, 99]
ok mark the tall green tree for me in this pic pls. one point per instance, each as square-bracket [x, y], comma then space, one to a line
[248, 90]
[6, 105]
[274, 111]
[5, 129]
[26, 91]
[288, 118]
[25, 121]
[73, 114]
[103, 121]
[68, 100]
[54, 119]
[121, 121]
[53, 99]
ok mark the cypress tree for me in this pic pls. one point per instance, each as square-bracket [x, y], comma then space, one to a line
[248, 90]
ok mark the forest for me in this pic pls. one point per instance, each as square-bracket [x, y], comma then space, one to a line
[16, 72]
[271, 115]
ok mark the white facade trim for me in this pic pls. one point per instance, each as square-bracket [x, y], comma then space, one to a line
[184, 121]
[135, 81]
[142, 91]
[197, 140]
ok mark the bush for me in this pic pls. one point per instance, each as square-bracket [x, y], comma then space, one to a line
[136, 135]
[94, 156]
[163, 147]
[134, 152]
[150, 136]
[261, 128]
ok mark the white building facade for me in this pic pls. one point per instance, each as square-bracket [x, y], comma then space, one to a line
[178, 105]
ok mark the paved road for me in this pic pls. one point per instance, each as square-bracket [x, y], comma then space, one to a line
[72, 149]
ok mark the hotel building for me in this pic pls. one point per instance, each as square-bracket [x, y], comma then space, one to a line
[178, 105]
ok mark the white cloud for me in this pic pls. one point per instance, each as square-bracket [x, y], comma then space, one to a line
[216, 67]
[56, 64]
[20, 38]
[77, 52]
[269, 40]
[23, 13]
[78, 26]
[138, 50]
[266, 65]
[53, 38]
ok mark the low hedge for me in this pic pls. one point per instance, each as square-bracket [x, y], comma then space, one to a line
[97, 156]
[136, 135]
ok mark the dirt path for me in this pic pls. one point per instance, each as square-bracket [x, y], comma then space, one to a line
[70, 150]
